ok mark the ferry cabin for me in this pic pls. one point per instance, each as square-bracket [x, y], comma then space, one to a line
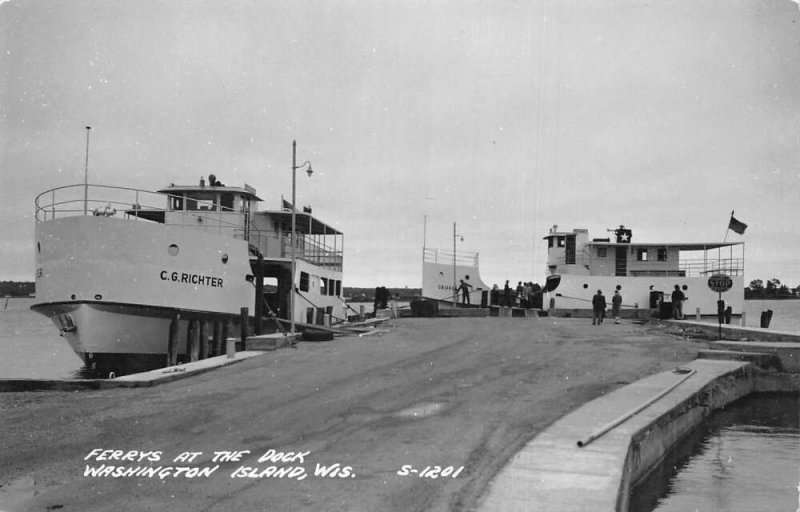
[233, 212]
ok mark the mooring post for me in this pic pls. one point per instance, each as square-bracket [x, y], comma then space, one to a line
[244, 318]
[172, 345]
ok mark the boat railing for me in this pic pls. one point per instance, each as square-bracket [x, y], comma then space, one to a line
[448, 257]
[308, 248]
[132, 204]
[703, 267]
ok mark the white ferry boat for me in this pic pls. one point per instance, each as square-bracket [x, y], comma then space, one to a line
[114, 266]
[442, 274]
[645, 274]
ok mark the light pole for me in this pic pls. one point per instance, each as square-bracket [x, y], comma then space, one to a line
[86, 175]
[294, 221]
[455, 290]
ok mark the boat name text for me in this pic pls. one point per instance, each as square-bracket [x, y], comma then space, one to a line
[183, 277]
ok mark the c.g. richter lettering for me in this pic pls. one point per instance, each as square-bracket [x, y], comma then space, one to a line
[187, 278]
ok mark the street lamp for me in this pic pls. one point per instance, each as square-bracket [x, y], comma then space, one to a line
[455, 290]
[294, 220]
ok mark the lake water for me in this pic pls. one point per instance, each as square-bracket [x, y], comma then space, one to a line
[30, 346]
[744, 458]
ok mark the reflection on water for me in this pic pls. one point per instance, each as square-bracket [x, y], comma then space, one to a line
[744, 458]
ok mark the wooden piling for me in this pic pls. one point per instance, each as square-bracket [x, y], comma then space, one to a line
[172, 344]
[258, 311]
[192, 341]
[216, 345]
[203, 339]
[244, 318]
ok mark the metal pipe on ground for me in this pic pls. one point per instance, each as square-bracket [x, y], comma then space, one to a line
[608, 427]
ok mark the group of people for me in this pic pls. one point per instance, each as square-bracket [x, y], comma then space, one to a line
[599, 306]
[522, 295]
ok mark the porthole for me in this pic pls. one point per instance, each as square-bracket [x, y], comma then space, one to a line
[619, 287]
[172, 250]
[38, 247]
[98, 297]
[585, 286]
[225, 258]
[73, 296]
[684, 287]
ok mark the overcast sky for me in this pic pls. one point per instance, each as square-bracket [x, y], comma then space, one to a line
[505, 117]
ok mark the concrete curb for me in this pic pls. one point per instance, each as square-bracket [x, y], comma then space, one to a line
[145, 379]
[552, 473]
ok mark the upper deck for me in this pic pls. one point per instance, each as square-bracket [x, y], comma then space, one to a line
[573, 253]
[211, 208]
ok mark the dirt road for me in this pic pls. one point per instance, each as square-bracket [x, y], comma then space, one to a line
[453, 393]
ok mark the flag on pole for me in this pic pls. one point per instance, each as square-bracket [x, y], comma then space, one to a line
[736, 225]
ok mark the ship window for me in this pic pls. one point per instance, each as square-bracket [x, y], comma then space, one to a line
[550, 242]
[561, 241]
[303, 281]
[662, 254]
[204, 201]
[323, 290]
[225, 258]
[176, 203]
[338, 288]
[641, 254]
[226, 202]
[172, 250]
[602, 252]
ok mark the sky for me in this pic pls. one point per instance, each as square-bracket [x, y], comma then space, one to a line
[501, 117]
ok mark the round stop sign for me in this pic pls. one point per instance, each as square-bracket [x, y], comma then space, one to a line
[720, 283]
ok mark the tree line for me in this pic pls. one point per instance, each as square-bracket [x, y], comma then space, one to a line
[771, 289]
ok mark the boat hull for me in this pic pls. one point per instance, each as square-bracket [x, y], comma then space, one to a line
[575, 292]
[112, 286]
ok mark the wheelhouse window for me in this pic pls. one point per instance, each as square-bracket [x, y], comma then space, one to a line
[226, 202]
[602, 252]
[641, 254]
[201, 201]
[662, 254]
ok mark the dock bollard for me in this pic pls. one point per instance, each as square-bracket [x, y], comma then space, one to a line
[230, 348]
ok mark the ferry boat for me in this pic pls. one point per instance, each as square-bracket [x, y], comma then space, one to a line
[645, 274]
[442, 274]
[117, 268]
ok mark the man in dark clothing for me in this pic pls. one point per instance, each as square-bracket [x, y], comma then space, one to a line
[599, 308]
[677, 303]
[464, 288]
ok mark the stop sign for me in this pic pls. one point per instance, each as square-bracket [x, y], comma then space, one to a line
[720, 283]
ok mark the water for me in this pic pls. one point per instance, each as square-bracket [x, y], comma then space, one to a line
[785, 314]
[744, 458]
[30, 346]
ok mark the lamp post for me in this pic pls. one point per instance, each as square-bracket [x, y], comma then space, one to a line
[455, 290]
[86, 175]
[294, 222]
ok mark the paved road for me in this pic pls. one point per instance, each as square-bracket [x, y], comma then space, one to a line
[432, 392]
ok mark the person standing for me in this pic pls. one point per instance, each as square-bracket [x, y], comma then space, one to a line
[464, 288]
[677, 303]
[599, 307]
[507, 295]
[616, 305]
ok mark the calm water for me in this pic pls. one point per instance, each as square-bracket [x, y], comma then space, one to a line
[745, 458]
[30, 346]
